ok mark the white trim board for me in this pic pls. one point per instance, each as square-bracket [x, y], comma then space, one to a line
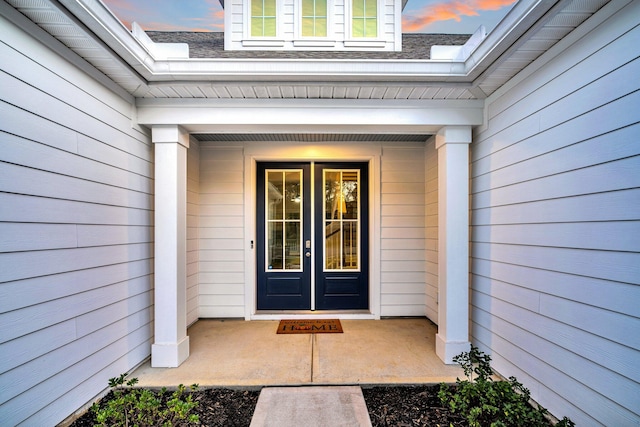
[321, 152]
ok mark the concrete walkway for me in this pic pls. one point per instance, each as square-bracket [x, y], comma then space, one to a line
[320, 372]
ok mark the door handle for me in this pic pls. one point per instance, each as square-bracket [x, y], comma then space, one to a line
[307, 254]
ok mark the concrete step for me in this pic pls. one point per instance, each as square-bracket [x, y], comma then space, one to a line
[315, 406]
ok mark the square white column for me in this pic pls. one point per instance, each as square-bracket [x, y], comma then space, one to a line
[171, 343]
[452, 143]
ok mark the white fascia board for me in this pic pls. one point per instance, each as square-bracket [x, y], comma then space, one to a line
[202, 115]
[305, 69]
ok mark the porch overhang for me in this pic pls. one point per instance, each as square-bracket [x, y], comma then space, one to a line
[310, 116]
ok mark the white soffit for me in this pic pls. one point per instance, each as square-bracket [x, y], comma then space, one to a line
[309, 137]
[90, 30]
[57, 23]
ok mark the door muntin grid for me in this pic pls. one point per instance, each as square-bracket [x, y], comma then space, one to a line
[283, 219]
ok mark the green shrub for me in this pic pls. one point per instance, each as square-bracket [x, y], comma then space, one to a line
[141, 407]
[488, 403]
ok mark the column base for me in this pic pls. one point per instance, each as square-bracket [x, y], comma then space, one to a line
[447, 350]
[169, 355]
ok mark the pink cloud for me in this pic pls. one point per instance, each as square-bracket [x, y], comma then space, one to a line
[121, 5]
[214, 21]
[125, 10]
[453, 9]
[150, 18]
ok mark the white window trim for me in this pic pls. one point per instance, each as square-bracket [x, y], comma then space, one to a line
[258, 152]
[314, 42]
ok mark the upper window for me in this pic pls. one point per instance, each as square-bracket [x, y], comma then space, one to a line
[263, 18]
[364, 18]
[314, 18]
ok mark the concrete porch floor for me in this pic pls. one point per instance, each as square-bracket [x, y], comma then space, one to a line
[241, 353]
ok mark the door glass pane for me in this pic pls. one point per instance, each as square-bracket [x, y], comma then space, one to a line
[332, 194]
[332, 245]
[350, 194]
[284, 219]
[292, 246]
[274, 194]
[342, 219]
[274, 243]
[350, 245]
[293, 195]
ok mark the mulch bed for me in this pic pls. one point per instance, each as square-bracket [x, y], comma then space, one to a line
[409, 406]
[388, 406]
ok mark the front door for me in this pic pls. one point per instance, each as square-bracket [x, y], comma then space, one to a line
[312, 240]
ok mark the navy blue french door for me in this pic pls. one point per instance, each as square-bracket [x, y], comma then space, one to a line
[312, 236]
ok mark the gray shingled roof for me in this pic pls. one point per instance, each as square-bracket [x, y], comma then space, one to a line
[211, 45]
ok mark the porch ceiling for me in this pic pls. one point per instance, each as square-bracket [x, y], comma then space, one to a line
[309, 138]
[99, 43]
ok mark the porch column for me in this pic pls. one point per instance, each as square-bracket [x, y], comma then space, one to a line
[452, 143]
[171, 343]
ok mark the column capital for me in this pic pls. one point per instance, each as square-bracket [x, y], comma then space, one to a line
[169, 134]
[453, 135]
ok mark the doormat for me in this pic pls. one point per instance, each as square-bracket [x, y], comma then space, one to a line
[315, 326]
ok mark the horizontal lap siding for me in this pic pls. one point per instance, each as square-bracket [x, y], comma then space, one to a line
[193, 230]
[76, 235]
[404, 237]
[555, 226]
[431, 230]
[221, 232]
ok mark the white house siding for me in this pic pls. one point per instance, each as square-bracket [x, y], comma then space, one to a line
[193, 237]
[431, 231]
[403, 255]
[76, 235]
[403, 267]
[555, 225]
[221, 232]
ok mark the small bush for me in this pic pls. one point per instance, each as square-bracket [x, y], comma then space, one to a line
[141, 407]
[488, 403]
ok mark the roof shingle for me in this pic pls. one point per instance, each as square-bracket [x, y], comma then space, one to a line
[211, 45]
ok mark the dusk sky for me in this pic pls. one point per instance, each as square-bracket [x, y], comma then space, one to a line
[419, 16]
